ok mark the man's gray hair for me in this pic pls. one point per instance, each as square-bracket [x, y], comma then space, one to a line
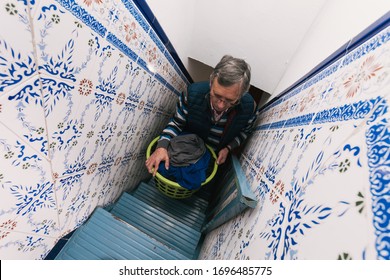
[230, 71]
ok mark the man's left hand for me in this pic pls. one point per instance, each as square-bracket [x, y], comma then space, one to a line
[222, 156]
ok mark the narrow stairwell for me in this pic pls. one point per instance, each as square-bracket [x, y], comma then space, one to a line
[147, 225]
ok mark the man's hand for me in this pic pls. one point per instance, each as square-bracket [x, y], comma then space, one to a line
[222, 156]
[152, 163]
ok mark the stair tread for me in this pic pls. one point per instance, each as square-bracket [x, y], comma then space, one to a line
[157, 224]
[195, 201]
[190, 216]
[105, 237]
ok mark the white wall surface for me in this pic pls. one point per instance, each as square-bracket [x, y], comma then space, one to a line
[265, 33]
[177, 20]
[338, 23]
[282, 40]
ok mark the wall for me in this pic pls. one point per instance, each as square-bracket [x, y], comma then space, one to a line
[199, 71]
[335, 25]
[319, 164]
[84, 86]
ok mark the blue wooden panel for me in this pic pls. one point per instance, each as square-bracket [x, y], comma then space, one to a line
[105, 237]
[156, 224]
[232, 198]
[198, 201]
[246, 195]
[174, 208]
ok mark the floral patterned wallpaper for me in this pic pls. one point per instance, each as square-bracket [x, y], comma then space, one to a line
[85, 85]
[319, 163]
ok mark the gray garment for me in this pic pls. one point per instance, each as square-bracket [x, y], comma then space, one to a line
[185, 149]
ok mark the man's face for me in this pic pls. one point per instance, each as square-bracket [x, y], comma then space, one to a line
[224, 97]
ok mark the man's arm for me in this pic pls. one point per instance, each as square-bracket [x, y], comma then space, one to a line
[173, 128]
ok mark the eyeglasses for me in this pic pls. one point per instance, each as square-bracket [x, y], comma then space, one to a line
[229, 102]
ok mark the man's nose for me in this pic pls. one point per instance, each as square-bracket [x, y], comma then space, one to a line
[221, 104]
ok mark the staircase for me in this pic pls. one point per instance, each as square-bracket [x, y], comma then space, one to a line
[147, 225]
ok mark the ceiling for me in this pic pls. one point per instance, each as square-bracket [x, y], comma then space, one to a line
[265, 33]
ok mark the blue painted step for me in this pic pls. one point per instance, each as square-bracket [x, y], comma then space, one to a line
[158, 225]
[105, 237]
[177, 209]
[197, 201]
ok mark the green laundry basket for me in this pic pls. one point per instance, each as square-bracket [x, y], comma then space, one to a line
[173, 189]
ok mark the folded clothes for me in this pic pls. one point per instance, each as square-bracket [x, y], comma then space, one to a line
[185, 149]
[190, 177]
[189, 160]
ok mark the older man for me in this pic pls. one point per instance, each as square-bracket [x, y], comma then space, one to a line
[220, 111]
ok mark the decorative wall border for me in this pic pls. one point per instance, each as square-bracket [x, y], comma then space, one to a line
[377, 140]
[357, 110]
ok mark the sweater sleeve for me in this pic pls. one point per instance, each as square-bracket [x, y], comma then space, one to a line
[176, 123]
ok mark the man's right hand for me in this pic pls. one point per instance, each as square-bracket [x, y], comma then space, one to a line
[152, 163]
